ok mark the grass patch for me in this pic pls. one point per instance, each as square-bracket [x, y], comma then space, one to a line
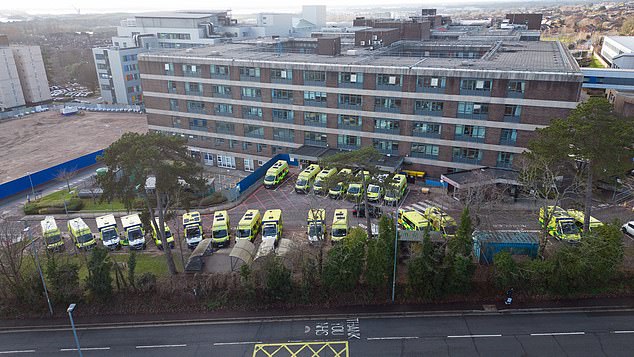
[56, 197]
[595, 63]
[95, 205]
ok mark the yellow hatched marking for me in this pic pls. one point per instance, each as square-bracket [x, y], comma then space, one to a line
[302, 349]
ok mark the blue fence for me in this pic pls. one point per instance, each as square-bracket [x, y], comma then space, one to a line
[47, 175]
[248, 181]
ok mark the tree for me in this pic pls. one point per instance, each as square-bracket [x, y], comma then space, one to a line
[458, 261]
[380, 255]
[344, 262]
[278, 284]
[506, 270]
[363, 159]
[99, 280]
[462, 242]
[12, 248]
[63, 278]
[594, 139]
[132, 269]
[133, 159]
[425, 275]
[65, 175]
[627, 29]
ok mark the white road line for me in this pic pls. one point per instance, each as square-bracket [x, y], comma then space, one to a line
[393, 338]
[237, 343]
[472, 336]
[85, 349]
[558, 333]
[159, 346]
[16, 351]
[623, 332]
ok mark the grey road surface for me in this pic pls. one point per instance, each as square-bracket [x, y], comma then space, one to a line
[505, 334]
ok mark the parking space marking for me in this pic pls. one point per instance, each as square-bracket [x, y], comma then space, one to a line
[473, 336]
[236, 343]
[558, 333]
[393, 338]
[160, 346]
[85, 349]
[16, 351]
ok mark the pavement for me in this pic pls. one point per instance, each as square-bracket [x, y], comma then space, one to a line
[608, 332]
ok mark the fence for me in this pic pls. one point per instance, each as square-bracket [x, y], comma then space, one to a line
[25, 183]
[248, 181]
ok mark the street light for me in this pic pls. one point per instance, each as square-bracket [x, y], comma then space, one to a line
[39, 268]
[32, 188]
[70, 310]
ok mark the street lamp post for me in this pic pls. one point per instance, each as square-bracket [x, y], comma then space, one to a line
[70, 310]
[39, 268]
[32, 188]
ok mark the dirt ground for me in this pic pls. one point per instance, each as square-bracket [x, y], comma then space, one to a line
[42, 140]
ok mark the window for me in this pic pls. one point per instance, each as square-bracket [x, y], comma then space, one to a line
[350, 77]
[224, 108]
[169, 68]
[252, 112]
[431, 82]
[250, 72]
[193, 88]
[516, 86]
[173, 36]
[248, 165]
[218, 70]
[254, 131]
[105, 87]
[467, 154]
[260, 148]
[385, 146]
[224, 127]
[312, 138]
[102, 66]
[228, 162]
[176, 122]
[191, 70]
[100, 56]
[505, 159]
[281, 74]
[222, 90]
[198, 124]
[387, 103]
[174, 104]
[282, 94]
[424, 129]
[512, 110]
[475, 84]
[314, 76]
[386, 125]
[282, 115]
[315, 119]
[475, 132]
[350, 99]
[319, 97]
[208, 158]
[284, 134]
[251, 92]
[104, 76]
[195, 107]
[424, 150]
[349, 121]
[348, 141]
[472, 108]
[428, 106]
[220, 141]
[388, 80]
[508, 136]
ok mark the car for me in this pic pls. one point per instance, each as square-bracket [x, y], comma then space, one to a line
[358, 210]
[628, 228]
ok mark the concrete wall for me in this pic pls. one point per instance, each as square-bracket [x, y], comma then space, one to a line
[10, 88]
[32, 73]
[315, 14]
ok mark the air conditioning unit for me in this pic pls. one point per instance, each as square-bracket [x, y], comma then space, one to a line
[362, 43]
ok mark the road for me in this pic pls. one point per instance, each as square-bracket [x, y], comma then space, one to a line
[599, 333]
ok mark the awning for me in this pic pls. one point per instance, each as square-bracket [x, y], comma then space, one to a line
[243, 251]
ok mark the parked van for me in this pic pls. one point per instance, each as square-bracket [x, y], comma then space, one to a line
[51, 234]
[276, 174]
[342, 186]
[220, 233]
[80, 234]
[322, 179]
[441, 221]
[157, 238]
[108, 233]
[560, 225]
[306, 178]
[412, 220]
[193, 228]
[272, 225]
[316, 225]
[396, 189]
[133, 231]
[579, 217]
[340, 226]
[249, 225]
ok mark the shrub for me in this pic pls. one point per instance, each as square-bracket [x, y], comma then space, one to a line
[146, 282]
[99, 280]
[215, 198]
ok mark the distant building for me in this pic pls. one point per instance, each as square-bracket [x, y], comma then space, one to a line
[117, 65]
[276, 24]
[315, 14]
[532, 21]
[618, 51]
[22, 76]
[623, 101]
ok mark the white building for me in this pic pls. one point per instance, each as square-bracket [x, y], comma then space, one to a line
[22, 76]
[618, 51]
[276, 24]
[315, 14]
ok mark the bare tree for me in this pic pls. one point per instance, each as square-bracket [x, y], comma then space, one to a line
[11, 257]
[485, 195]
[65, 176]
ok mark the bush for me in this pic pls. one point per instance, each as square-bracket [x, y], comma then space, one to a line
[99, 280]
[146, 282]
[278, 283]
[215, 198]
[73, 205]
[63, 278]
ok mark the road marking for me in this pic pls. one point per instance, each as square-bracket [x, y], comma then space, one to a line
[237, 343]
[85, 349]
[393, 338]
[17, 351]
[159, 346]
[472, 336]
[558, 333]
[623, 332]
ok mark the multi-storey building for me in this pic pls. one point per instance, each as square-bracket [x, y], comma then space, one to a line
[440, 106]
[22, 75]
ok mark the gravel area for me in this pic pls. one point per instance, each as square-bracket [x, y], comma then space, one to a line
[42, 140]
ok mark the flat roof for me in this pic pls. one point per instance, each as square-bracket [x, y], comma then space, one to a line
[179, 15]
[527, 57]
[481, 177]
[627, 41]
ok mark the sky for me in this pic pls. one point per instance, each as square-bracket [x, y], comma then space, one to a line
[92, 6]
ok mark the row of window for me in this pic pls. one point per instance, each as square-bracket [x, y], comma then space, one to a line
[128, 58]
[352, 78]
